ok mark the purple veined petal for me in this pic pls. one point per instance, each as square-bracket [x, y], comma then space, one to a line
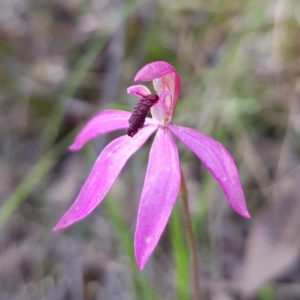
[159, 194]
[104, 122]
[163, 96]
[138, 90]
[154, 70]
[219, 162]
[104, 173]
[160, 109]
[170, 83]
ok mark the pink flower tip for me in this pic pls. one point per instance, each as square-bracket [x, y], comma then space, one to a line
[62, 224]
[246, 215]
[141, 265]
[153, 71]
[73, 148]
[56, 228]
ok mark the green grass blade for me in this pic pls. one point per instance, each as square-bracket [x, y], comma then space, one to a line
[34, 178]
[181, 255]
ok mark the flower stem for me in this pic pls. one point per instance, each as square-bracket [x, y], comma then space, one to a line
[191, 238]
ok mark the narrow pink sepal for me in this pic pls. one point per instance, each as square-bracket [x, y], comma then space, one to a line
[154, 70]
[104, 122]
[219, 162]
[138, 90]
[159, 194]
[104, 173]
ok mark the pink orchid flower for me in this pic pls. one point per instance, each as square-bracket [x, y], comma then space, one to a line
[162, 182]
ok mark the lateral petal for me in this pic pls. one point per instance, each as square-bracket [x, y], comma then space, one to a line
[219, 162]
[104, 173]
[138, 90]
[159, 194]
[104, 122]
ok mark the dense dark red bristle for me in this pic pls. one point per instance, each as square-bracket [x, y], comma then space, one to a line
[139, 114]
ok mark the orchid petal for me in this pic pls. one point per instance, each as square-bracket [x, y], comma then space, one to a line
[104, 122]
[138, 90]
[154, 70]
[104, 173]
[170, 83]
[160, 109]
[159, 194]
[219, 162]
[165, 78]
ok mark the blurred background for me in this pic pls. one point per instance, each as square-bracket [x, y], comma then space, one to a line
[63, 61]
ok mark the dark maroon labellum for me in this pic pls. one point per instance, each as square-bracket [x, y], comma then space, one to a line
[139, 114]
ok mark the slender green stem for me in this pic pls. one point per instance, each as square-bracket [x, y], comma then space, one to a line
[191, 238]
